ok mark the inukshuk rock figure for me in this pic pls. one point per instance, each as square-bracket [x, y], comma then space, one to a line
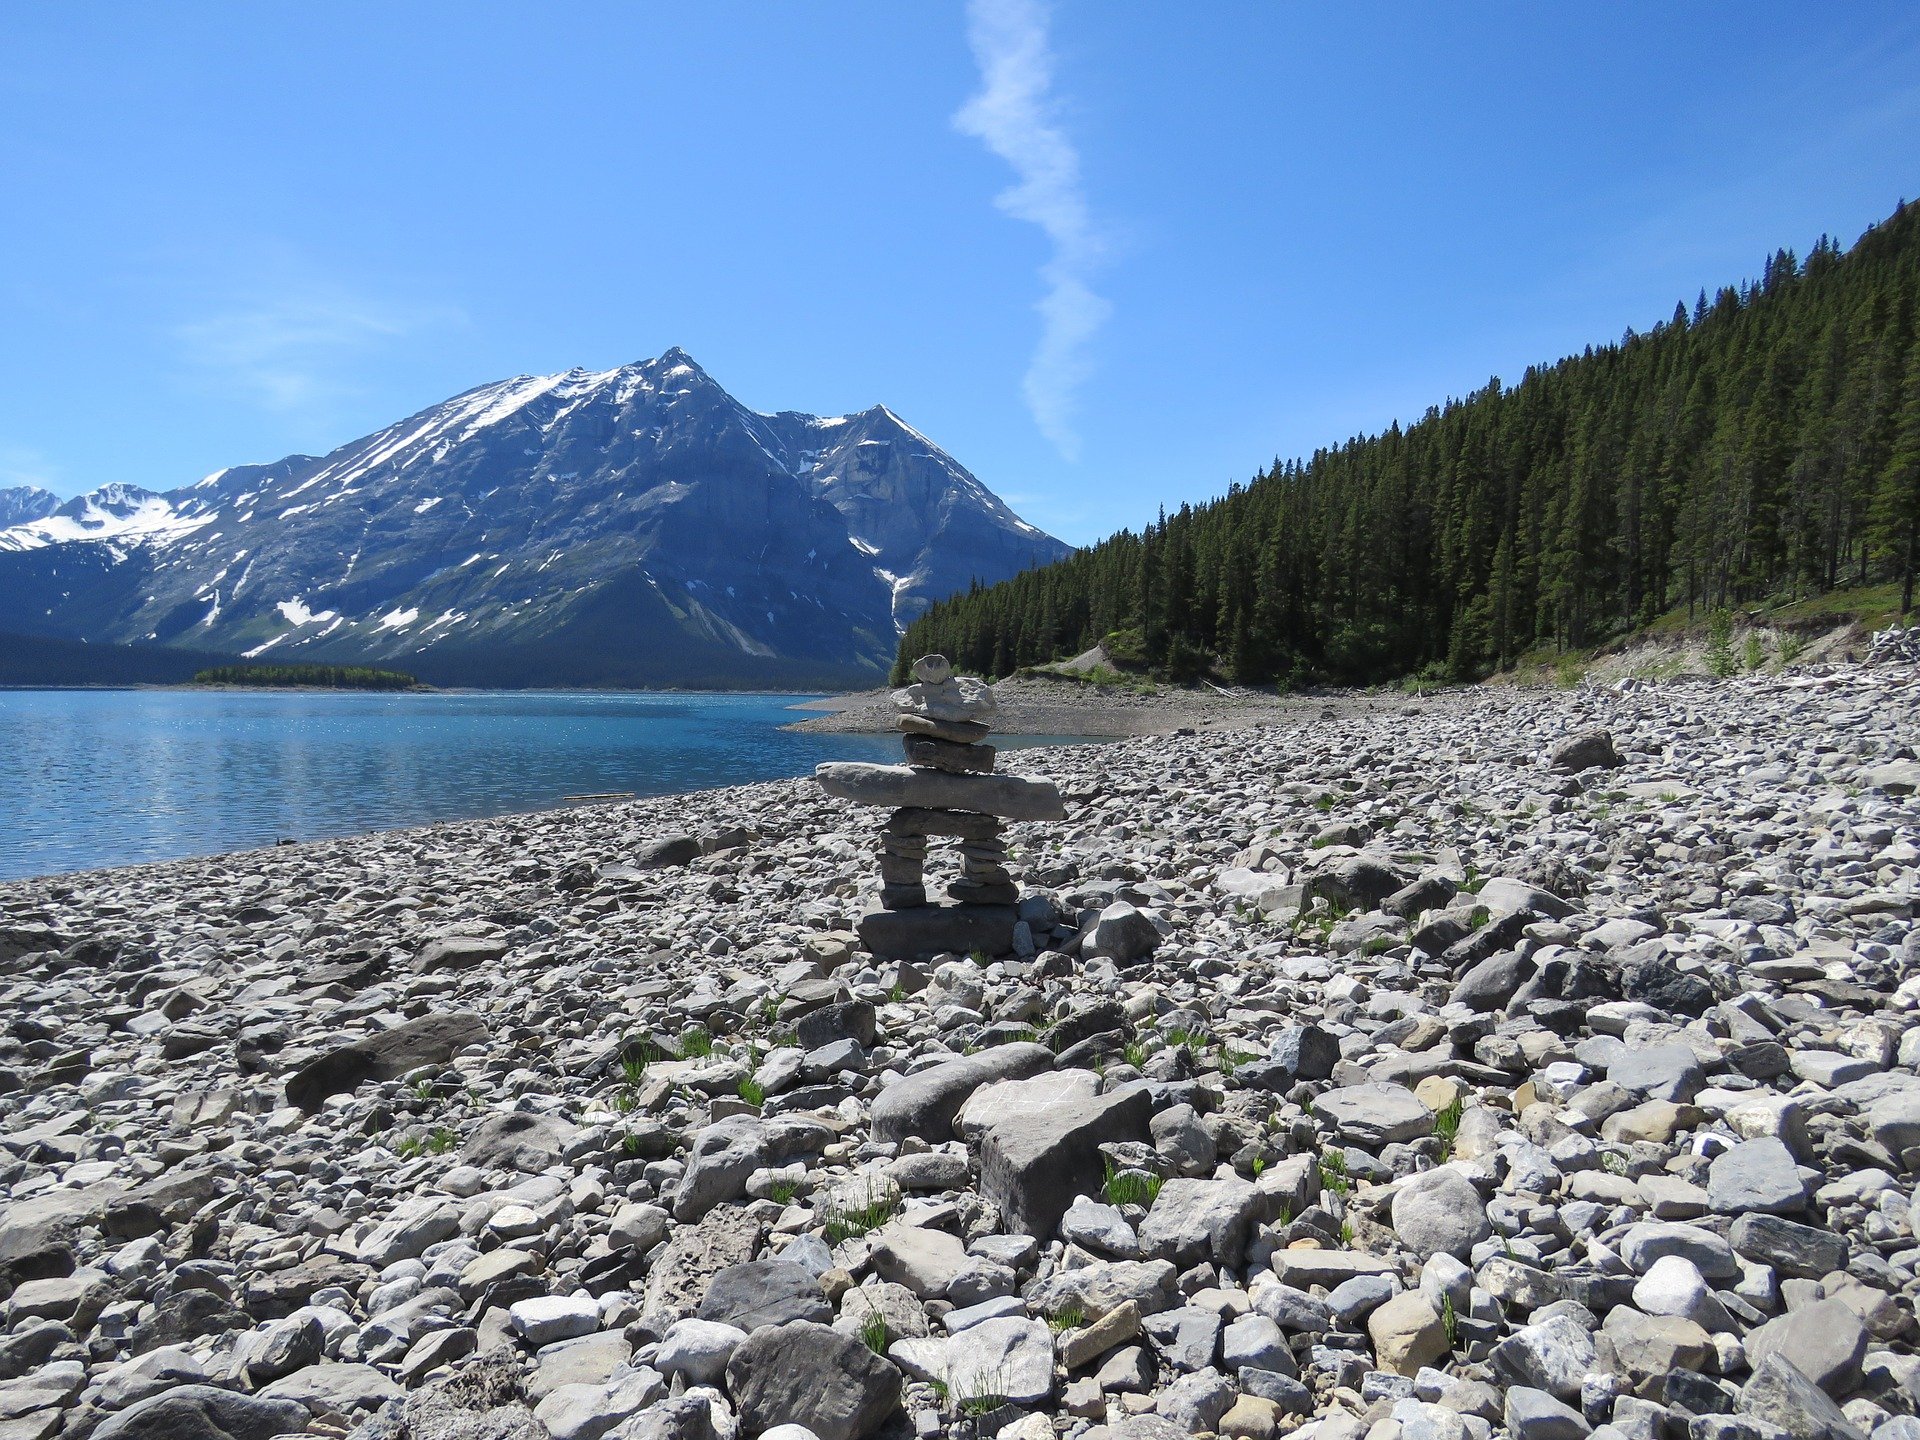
[947, 789]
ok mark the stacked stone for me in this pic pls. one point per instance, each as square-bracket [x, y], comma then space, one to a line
[947, 789]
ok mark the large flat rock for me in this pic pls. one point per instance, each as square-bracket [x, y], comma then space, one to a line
[1010, 796]
[430, 1040]
[938, 930]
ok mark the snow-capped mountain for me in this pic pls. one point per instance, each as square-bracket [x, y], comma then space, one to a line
[628, 526]
[21, 503]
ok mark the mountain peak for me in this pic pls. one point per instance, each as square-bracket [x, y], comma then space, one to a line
[673, 357]
[628, 524]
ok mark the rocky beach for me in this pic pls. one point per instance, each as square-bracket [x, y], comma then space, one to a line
[1040, 704]
[1529, 1063]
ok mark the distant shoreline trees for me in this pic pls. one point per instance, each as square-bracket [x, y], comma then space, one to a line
[1764, 445]
[320, 677]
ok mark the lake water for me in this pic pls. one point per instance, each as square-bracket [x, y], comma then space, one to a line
[91, 778]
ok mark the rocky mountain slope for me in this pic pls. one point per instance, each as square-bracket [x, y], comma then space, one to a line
[1445, 1072]
[21, 503]
[636, 525]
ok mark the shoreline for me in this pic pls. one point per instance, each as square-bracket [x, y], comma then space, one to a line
[1039, 705]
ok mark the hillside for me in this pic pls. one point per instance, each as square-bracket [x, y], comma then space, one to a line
[1763, 444]
[635, 526]
[46, 660]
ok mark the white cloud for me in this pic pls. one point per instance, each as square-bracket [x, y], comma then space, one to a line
[1013, 116]
[289, 342]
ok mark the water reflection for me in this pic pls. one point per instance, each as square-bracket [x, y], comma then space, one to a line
[114, 777]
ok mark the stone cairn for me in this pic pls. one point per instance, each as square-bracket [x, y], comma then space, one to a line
[946, 789]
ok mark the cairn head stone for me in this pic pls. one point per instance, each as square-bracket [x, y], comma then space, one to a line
[940, 696]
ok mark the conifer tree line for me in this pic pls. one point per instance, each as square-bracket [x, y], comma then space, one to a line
[1763, 446]
[330, 677]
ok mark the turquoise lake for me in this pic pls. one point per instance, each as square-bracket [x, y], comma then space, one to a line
[92, 778]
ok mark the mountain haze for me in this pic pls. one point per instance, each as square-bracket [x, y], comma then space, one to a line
[629, 526]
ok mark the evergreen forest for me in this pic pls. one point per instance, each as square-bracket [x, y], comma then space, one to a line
[1759, 447]
[327, 677]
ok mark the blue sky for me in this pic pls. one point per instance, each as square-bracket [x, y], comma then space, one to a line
[1111, 255]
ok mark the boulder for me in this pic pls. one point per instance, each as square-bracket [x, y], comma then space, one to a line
[807, 1374]
[1039, 1141]
[925, 1103]
[1122, 934]
[725, 1154]
[666, 852]
[202, 1412]
[1407, 1334]
[1756, 1175]
[1194, 1220]
[518, 1140]
[459, 952]
[1779, 1394]
[1589, 750]
[764, 1292]
[1826, 1342]
[1371, 1116]
[925, 930]
[430, 1040]
[1440, 1212]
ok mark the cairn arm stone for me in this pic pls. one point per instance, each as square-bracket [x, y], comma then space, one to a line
[1010, 796]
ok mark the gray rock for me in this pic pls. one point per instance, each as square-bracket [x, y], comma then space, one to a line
[589, 1411]
[430, 1040]
[1644, 1242]
[1371, 1116]
[1826, 1342]
[1589, 750]
[1662, 1072]
[1555, 1355]
[1039, 1142]
[1010, 1358]
[201, 1412]
[925, 1261]
[1195, 1220]
[1096, 1289]
[666, 852]
[1756, 1175]
[459, 952]
[1491, 983]
[1122, 934]
[1011, 797]
[334, 1386]
[1186, 1337]
[1533, 1414]
[1255, 1342]
[698, 1350]
[1195, 1402]
[1789, 1247]
[927, 930]
[1440, 1212]
[1779, 1394]
[762, 1293]
[725, 1154]
[924, 1104]
[807, 1374]
[547, 1318]
[517, 1140]
[1306, 1052]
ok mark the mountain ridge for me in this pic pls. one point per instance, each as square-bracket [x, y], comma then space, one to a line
[635, 525]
